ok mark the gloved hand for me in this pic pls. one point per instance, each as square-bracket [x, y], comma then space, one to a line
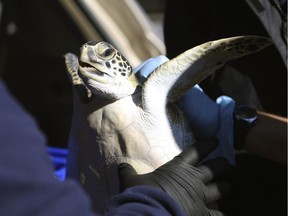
[206, 117]
[187, 183]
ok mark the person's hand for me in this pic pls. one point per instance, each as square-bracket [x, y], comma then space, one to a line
[185, 181]
[206, 117]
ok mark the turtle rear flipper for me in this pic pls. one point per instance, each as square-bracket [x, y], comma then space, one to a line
[72, 65]
[172, 79]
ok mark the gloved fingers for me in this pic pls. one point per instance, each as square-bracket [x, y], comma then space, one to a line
[194, 153]
[201, 111]
[127, 176]
[215, 191]
[212, 168]
[147, 67]
[125, 169]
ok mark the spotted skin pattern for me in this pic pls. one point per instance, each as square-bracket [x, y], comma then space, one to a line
[105, 71]
[119, 64]
[102, 70]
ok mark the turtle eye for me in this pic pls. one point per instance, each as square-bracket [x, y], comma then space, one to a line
[107, 52]
[104, 50]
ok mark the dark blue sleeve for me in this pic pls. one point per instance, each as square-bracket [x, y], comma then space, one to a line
[143, 200]
[28, 185]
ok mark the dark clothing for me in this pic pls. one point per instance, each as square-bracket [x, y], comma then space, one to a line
[29, 187]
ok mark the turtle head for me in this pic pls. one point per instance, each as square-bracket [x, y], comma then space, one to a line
[105, 71]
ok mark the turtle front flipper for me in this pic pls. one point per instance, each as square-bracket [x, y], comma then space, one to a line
[172, 79]
[72, 66]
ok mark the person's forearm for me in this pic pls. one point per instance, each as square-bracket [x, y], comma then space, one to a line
[268, 138]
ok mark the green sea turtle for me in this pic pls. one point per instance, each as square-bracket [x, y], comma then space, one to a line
[118, 119]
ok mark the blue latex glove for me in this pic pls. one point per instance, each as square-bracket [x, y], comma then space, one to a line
[206, 117]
